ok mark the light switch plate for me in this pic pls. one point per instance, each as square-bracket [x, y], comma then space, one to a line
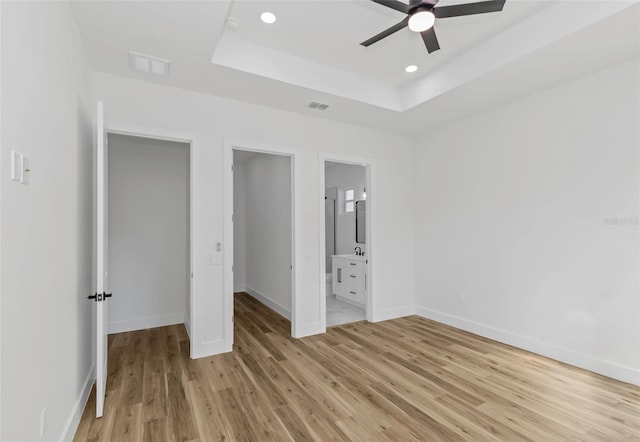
[24, 169]
[14, 165]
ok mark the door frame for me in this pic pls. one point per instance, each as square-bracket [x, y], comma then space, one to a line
[133, 130]
[369, 165]
[228, 284]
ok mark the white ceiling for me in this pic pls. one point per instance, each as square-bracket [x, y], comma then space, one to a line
[330, 33]
[312, 53]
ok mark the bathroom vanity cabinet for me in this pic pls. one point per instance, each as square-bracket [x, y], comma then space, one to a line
[349, 282]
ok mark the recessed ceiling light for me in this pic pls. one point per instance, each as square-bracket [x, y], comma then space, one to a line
[268, 17]
[410, 69]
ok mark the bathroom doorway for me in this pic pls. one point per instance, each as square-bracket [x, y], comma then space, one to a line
[346, 255]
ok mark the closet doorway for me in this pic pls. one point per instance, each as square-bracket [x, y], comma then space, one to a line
[263, 231]
[149, 232]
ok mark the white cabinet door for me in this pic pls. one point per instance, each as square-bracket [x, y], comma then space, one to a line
[338, 279]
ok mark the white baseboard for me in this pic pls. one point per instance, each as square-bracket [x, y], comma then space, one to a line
[187, 324]
[73, 421]
[209, 348]
[605, 368]
[144, 323]
[393, 313]
[304, 330]
[280, 309]
[350, 302]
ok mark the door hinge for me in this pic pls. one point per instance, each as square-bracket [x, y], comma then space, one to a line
[232, 168]
[231, 269]
[233, 218]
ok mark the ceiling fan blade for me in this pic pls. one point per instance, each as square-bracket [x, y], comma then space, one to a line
[394, 4]
[430, 40]
[469, 9]
[386, 33]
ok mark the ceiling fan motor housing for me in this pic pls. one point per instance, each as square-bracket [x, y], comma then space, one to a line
[419, 4]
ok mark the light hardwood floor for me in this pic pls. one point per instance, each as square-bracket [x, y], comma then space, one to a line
[405, 379]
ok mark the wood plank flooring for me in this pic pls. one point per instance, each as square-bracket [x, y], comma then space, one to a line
[405, 379]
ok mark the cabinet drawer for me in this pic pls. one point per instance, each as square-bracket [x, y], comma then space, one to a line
[355, 265]
[354, 288]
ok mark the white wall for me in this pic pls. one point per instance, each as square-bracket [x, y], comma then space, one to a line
[268, 231]
[148, 232]
[46, 225]
[527, 223]
[213, 119]
[346, 176]
[239, 228]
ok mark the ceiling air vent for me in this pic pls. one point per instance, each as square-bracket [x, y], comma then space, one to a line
[148, 64]
[318, 106]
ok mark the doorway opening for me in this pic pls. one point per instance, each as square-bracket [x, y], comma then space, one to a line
[263, 231]
[346, 257]
[149, 232]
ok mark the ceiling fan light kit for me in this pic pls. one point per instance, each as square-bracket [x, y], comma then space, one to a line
[422, 15]
[422, 20]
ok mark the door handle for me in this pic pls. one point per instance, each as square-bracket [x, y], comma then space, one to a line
[99, 297]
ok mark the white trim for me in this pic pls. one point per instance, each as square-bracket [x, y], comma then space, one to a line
[70, 428]
[159, 133]
[393, 313]
[1, 181]
[314, 328]
[350, 302]
[144, 323]
[208, 348]
[369, 164]
[241, 287]
[278, 308]
[187, 325]
[228, 286]
[605, 368]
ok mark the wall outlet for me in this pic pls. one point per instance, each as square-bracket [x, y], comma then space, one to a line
[43, 422]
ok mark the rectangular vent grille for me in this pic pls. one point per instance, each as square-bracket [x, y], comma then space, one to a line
[318, 106]
[148, 64]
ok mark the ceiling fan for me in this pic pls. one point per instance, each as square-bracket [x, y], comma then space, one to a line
[422, 14]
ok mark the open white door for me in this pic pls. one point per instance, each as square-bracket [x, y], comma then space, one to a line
[102, 287]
